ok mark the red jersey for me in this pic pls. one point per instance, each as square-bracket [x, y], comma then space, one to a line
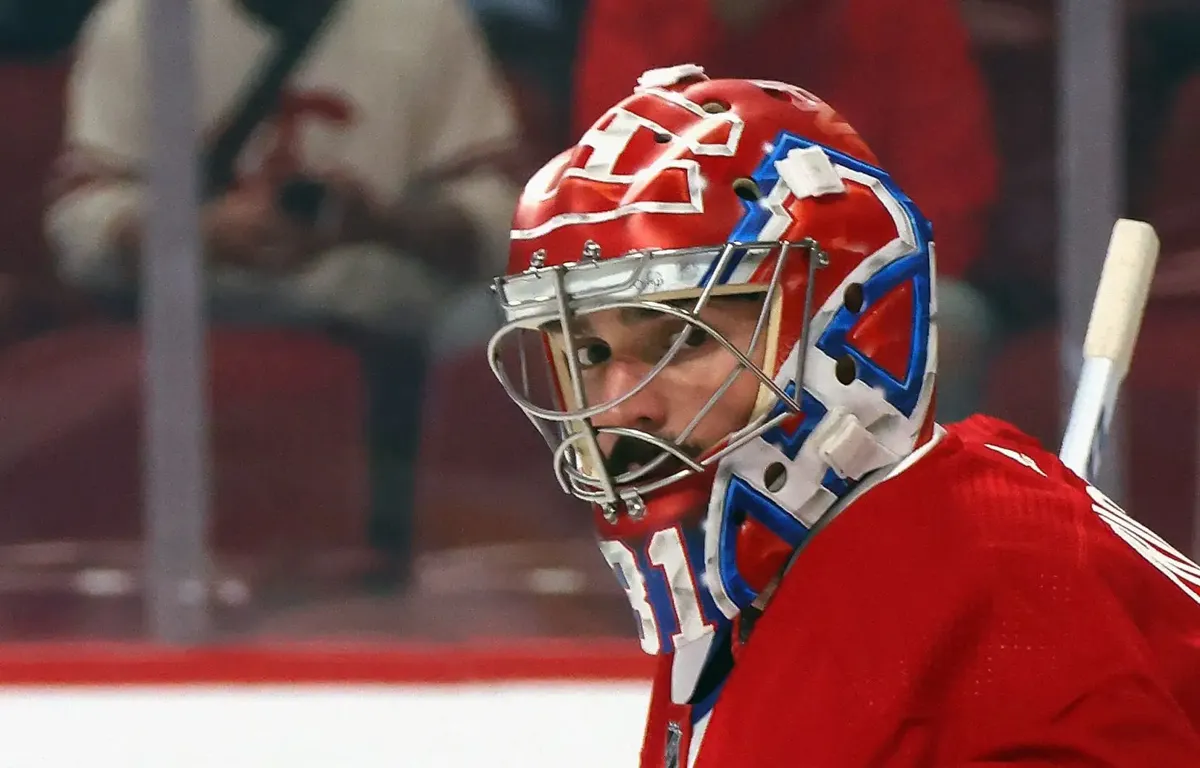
[984, 606]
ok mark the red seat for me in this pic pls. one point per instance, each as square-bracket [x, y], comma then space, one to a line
[485, 473]
[288, 456]
[32, 97]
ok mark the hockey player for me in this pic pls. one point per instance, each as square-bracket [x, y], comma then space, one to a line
[736, 309]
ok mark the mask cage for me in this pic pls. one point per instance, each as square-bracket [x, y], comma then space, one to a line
[544, 306]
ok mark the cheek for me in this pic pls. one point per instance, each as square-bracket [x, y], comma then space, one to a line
[686, 388]
[695, 385]
[739, 401]
[593, 386]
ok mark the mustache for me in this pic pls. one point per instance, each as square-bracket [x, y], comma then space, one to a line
[628, 452]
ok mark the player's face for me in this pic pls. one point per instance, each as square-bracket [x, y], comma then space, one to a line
[617, 348]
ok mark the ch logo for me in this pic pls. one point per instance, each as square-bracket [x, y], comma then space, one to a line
[277, 151]
[652, 141]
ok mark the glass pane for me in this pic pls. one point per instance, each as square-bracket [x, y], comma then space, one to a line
[372, 481]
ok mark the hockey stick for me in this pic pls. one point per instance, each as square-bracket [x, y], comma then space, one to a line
[1108, 346]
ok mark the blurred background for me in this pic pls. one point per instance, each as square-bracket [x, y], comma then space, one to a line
[243, 290]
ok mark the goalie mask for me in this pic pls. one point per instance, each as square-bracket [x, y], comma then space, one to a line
[718, 312]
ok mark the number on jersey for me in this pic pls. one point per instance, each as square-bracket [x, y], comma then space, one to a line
[664, 596]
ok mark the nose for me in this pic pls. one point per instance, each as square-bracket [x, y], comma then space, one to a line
[645, 410]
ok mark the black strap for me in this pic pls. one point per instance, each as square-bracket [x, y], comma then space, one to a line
[260, 96]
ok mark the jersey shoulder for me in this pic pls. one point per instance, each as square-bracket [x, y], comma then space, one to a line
[986, 503]
[983, 476]
[989, 432]
[987, 446]
[985, 497]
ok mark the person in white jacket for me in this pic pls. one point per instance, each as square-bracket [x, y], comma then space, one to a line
[392, 113]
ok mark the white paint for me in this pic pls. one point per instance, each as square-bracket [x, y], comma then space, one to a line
[608, 145]
[665, 77]
[187, 726]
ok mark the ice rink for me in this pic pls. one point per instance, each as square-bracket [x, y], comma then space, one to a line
[189, 726]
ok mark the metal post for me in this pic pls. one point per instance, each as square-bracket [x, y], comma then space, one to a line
[175, 449]
[1090, 184]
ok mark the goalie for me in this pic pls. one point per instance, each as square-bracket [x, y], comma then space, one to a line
[735, 310]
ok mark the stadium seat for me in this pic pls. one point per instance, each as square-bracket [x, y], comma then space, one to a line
[485, 473]
[287, 451]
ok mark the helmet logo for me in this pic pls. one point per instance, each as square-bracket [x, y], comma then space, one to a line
[605, 154]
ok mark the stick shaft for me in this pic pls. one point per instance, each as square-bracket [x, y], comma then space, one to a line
[1091, 411]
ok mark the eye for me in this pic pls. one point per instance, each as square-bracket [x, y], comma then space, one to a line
[591, 352]
[693, 337]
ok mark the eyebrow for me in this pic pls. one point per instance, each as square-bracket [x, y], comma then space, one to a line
[634, 315]
[628, 315]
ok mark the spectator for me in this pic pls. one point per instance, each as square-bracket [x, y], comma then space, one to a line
[901, 72]
[378, 116]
